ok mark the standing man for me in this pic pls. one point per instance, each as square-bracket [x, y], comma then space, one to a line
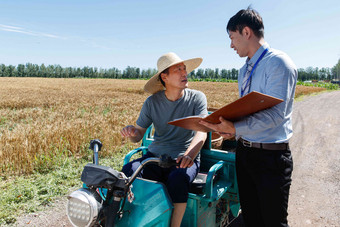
[263, 159]
[170, 99]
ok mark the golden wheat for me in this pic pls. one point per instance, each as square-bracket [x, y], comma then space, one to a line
[44, 119]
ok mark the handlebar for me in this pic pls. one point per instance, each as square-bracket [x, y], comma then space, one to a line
[164, 161]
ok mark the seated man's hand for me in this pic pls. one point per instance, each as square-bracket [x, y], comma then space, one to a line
[185, 161]
[129, 131]
[134, 133]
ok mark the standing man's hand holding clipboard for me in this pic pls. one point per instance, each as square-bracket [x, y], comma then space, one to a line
[226, 128]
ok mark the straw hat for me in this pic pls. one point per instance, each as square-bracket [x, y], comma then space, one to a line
[167, 60]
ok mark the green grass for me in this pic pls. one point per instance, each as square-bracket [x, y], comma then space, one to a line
[328, 86]
[214, 80]
[31, 193]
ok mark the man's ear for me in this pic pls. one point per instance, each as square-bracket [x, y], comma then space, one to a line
[163, 76]
[247, 32]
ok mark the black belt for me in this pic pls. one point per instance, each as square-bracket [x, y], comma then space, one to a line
[265, 146]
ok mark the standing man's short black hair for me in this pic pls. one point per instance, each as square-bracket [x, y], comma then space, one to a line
[247, 18]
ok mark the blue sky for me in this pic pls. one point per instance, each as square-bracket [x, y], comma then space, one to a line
[121, 33]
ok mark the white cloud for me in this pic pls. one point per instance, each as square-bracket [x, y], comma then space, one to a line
[27, 32]
[10, 27]
[88, 42]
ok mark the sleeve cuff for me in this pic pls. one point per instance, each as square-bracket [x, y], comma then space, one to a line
[240, 128]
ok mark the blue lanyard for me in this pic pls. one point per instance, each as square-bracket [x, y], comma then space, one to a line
[251, 73]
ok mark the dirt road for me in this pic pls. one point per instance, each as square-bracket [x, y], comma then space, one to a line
[315, 191]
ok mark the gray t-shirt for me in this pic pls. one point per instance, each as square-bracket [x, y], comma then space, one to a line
[157, 109]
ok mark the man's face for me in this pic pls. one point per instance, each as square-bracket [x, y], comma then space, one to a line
[239, 43]
[177, 77]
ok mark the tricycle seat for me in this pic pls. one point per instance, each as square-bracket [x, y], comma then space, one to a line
[198, 184]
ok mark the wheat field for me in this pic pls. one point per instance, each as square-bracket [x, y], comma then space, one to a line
[44, 120]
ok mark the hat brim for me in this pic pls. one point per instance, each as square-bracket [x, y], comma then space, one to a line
[154, 85]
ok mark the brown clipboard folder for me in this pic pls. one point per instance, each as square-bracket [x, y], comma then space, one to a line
[247, 105]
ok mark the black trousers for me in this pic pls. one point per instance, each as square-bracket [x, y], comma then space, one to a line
[264, 178]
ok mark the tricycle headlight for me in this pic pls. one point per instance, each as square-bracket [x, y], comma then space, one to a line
[83, 207]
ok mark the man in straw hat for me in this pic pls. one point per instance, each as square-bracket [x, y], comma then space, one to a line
[170, 99]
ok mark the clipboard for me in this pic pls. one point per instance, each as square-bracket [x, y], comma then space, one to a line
[242, 107]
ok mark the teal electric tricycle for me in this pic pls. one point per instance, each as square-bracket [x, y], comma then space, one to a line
[109, 198]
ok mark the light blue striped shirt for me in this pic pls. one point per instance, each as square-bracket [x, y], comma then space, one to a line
[275, 75]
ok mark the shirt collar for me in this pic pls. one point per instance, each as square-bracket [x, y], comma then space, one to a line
[257, 54]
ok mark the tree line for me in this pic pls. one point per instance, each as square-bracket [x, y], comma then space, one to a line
[57, 71]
